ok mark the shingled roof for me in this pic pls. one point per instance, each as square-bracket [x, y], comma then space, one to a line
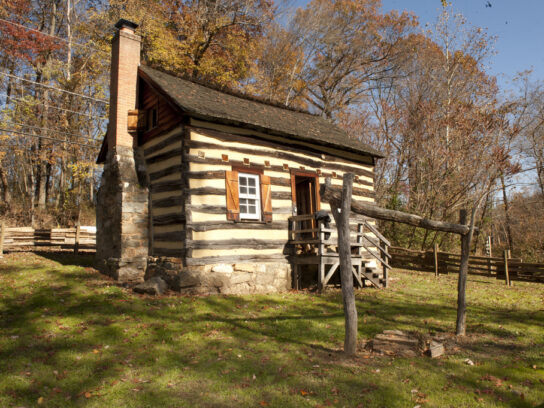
[202, 102]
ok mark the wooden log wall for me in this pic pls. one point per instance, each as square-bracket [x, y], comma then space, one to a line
[186, 168]
[478, 265]
[163, 156]
[210, 151]
[22, 238]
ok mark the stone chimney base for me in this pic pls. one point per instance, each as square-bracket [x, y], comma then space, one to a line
[122, 219]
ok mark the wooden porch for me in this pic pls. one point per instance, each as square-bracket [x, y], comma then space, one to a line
[311, 242]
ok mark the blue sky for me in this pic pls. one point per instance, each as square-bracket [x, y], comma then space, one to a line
[518, 24]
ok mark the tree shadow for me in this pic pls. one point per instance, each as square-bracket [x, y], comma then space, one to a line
[85, 259]
[193, 343]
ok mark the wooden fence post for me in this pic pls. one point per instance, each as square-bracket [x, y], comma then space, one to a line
[386, 262]
[506, 275]
[2, 236]
[76, 244]
[341, 212]
[489, 253]
[436, 260]
[463, 272]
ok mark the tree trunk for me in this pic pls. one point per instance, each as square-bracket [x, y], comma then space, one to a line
[48, 181]
[31, 194]
[62, 181]
[476, 238]
[41, 181]
[507, 215]
[341, 217]
[6, 195]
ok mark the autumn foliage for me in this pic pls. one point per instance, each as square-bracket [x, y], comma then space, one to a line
[423, 96]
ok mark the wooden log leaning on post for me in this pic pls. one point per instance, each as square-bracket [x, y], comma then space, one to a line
[341, 215]
[333, 195]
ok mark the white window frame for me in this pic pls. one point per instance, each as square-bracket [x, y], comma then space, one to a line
[247, 196]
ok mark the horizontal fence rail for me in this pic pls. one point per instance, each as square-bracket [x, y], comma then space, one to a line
[21, 238]
[446, 262]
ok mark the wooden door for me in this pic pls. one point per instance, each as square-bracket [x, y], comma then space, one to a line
[305, 198]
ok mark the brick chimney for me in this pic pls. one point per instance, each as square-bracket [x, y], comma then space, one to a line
[125, 59]
[122, 199]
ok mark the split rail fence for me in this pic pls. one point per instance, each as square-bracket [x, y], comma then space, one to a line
[80, 238]
[505, 268]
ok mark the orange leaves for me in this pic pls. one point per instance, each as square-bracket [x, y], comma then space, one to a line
[211, 43]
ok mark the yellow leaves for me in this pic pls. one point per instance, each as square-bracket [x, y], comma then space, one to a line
[212, 43]
[40, 401]
[82, 170]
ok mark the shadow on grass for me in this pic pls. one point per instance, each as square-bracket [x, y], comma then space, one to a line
[58, 333]
[85, 259]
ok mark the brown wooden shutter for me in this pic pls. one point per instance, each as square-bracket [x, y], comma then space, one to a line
[233, 200]
[266, 198]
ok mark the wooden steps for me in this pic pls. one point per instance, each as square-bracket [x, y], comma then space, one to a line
[373, 277]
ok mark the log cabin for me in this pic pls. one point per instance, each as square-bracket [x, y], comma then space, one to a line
[219, 193]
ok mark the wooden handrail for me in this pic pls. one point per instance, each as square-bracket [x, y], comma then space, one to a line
[377, 233]
[383, 250]
[385, 264]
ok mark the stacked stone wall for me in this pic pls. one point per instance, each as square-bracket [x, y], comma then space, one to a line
[122, 217]
[225, 278]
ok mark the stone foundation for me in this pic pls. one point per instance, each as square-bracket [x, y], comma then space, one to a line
[235, 279]
[122, 217]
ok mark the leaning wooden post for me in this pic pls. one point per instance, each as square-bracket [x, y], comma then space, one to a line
[76, 244]
[460, 329]
[506, 273]
[2, 236]
[341, 212]
[436, 260]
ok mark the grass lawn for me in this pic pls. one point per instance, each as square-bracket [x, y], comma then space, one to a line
[70, 337]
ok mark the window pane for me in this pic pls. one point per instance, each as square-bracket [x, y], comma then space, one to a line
[248, 187]
[243, 206]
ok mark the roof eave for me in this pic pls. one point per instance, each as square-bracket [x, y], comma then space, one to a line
[190, 113]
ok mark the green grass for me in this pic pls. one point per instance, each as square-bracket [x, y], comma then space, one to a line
[70, 337]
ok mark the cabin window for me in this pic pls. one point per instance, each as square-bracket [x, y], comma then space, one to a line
[249, 191]
[152, 118]
[248, 196]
